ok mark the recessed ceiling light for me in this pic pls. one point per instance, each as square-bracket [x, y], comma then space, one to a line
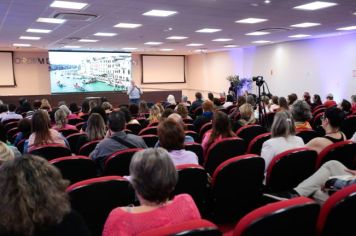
[267, 1]
[166, 49]
[251, 20]
[315, 5]
[261, 41]
[40, 31]
[69, 5]
[177, 37]
[230, 46]
[355, 13]
[257, 33]
[21, 45]
[159, 13]
[347, 28]
[208, 30]
[30, 38]
[129, 49]
[305, 25]
[194, 44]
[51, 20]
[127, 25]
[88, 40]
[202, 50]
[153, 43]
[105, 34]
[221, 40]
[299, 36]
[71, 46]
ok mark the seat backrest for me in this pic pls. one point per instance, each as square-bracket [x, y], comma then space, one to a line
[87, 148]
[95, 198]
[197, 149]
[344, 151]
[223, 150]
[11, 125]
[193, 180]
[255, 146]
[118, 163]
[74, 121]
[153, 124]
[267, 119]
[188, 121]
[66, 132]
[237, 187]
[292, 217]
[20, 145]
[135, 128]
[307, 135]
[289, 168]
[336, 214]
[197, 111]
[197, 227]
[9, 121]
[79, 125]
[73, 140]
[249, 132]
[75, 168]
[317, 111]
[51, 151]
[148, 130]
[316, 121]
[348, 126]
[207, 126]
[192, 134]
[150, 139]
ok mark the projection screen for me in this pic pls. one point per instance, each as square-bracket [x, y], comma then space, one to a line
[7, 77]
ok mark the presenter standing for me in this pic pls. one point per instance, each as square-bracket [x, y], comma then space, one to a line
[134, 93]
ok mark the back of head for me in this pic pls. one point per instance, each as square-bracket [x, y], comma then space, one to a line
[24, 126]
[241, 100]
[12, 107]
[292, 98]
[345, 105]
[283, 125]
[65, 109]
[106, 106]
[211, 96]
[133, 108]
[335, 116]
[6, 153]
[182, 110]
[33, 196]
[40, 126]
[73, 107]
[85, 106]
[282, 102]
[251, 100]
[177, 118]
[143, 108]
[96, 127]
[3, 108]
[217, 102]
[330, 96]
[171, 135]
[301, 111]
[167, 112]
[353, 98]
[198, 96]
[171, 99]
[246, 111]
[117, 121]
[184, 98]
[221, 124]
[60, 116]
[100, 111]
[153, 175]
[36, 104]
[127, 113]
[229, 98]
[208, 106]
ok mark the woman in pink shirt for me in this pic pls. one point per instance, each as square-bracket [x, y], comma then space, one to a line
[61, 118]
[153, 176]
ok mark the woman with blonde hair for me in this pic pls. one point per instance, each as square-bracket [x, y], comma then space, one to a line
[61, 119]
[34, 200]
[247, 116]
[6, 153]
[182, 110]
[155, 114]
[45, 105]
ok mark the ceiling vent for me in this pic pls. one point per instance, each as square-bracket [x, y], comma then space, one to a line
[75, 16]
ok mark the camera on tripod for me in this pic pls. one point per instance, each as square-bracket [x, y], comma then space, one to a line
[258, 79]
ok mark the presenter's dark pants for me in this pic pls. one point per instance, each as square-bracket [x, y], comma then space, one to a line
[134, 101]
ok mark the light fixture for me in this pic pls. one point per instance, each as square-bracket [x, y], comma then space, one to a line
[261, 41]
[221, 40]
[69, 5]
[88, 40]
[40, 31]
[251, 20]
[257, 33]
[129, 49]
[177, 37]
[230, 46]
[71, 46]
[315, 5]
[153, 43]
[208, 30]
[166, 49]
[29, 38]
[347, 28]
[355, 13]
[105, 34]
[299, 36]
[194, 44]
[21, 45]
[51, 20]
[305, 25]
[127, 25]
[159, 13]
[267, 1]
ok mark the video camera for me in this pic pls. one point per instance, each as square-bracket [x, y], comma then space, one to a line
[258, 79]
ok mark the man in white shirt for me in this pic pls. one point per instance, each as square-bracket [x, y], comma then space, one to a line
[11, 114]
[134, 93]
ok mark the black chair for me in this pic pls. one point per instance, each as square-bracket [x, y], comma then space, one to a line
[95, 198]
[66, 132]
[150, 139]
[51, 151]
[73, 140]
[197, 149]
[348, 126]
[307, 135]
[20, 145]
[135, 128]
[118, 163]
[80, 125]
[148, 130]
[255, 146]
[249, 132]
[206, 127]
[74, 121]
[87, 148]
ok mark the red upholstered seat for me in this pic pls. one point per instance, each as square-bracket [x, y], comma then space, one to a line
[293, 217]
[87, 148]
[51, 151]
[73, 141]
[148, 130]
[66, 132]
[206, 127]
[307, 135]
[150, 139]
[118, 163]
[74, 121]
[192, 134]
[249, 132]
[135, 128]
[197, 149]
[255, 146]
[348, 126]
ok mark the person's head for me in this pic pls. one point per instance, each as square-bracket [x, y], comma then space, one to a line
[306, 97]
[301, 111]
[116, 121]
[45, 104]
[106, 106]
[208, 106]
[36, 104]
[100, 111]
[33, 196]
[171, 99]
[25, 127]
[333, 117]
[3, 108]
[282, 102]
[40, 126]
[345, 106]
[251, 100]
[182, 110]
[184, 99]
[92, 104]
[133, 108]
[155, 113]
[96, 127]
[246, 112]
[167, 112]
[127, 113]
[198, 96]
[229, 98]
[265, 100]
[12, 107]
[211, 96]
[143, 108]
[73, 107]
[330, 96]
[60, 116]
[177, 118]
[217, 102]
[241, 100]
[85, 106]
[6, 154]
[283, 125]
[26, 106]
[292, 98]
[221, 124]
[353, 99]
[153, 175]
[274, 99]
[160, 107]
[65, 109]
[133, 83]
[171, 135]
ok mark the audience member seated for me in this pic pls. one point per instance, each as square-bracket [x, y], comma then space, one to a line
[99, 110]
[3, 110]
[153, 177]
[68, 112]
[292, 98]
[167, 112]
[217, 104]
[116, 139]
[316, 101]
[24, 106]
[282, 137]
[128, 117]
[182, 110]
[301, 114]
[329, 101]
[177, 118]
[207, 115]
[107, 107]
[247, 116]
[24, 128]
[184, 101]
[274, 107]
[73, 107]
[353, 104]
[283, 104]
[85, 109]
[35, 106]
[221, 129]
[34, 200]
[6, 153]
[198, 101]
[143, 109]
[211, 97]
[229, 101]
[171, 137]
[331, 122]
[42, 134]
[170, 100]
[345, 106]
[134, 110]
[60, 117]
[307, 98]
[155, 114]
[45, 105]
[11, 114]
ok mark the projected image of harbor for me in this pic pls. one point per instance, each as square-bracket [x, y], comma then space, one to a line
[89, 71]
